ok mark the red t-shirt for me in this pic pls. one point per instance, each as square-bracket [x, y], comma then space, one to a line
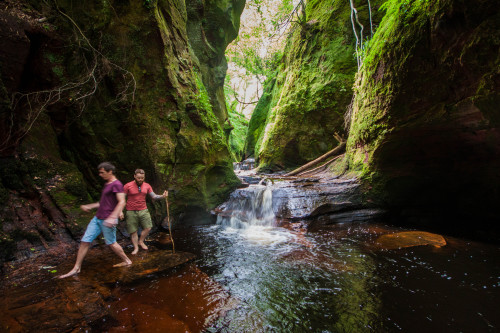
[136, 200]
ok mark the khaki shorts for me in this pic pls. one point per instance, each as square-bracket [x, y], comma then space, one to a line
[136, 217]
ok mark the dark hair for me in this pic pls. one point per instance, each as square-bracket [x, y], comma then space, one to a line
[139, 171]
[107, 167]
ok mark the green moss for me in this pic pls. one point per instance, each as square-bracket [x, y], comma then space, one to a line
[202, 99]
[257, 122]
[236, 140]
[312, 88]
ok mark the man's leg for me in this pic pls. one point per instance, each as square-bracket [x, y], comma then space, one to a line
[119, 251]
[146, 224]
[135, 239]
[82, 252]
[93, 230]
[144, 234]
[132, 225]
[110, 238]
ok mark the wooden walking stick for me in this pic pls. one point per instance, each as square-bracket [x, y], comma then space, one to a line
[169, 227]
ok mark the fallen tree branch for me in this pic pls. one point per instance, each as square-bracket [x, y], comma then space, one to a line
[336, 151]
[322, 167]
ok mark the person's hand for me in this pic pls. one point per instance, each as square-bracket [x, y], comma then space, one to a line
[110, 222]
[86, 208]
[165, 194]
[121, 217]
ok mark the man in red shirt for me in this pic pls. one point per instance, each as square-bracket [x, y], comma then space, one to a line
[137, 211]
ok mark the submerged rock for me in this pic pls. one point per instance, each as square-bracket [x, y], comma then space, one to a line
[187, 301]
[408, 239]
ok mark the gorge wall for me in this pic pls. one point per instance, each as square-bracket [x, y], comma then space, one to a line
[423, 130]
[425, 122]
[137, 83]
[304, 104]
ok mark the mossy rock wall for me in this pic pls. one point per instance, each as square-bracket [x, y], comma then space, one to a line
[238, 127]
[312, 88]
[425, 125]
[211, 26]
[139, 99]
[257, 122]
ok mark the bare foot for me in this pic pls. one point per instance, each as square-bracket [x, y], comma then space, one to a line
[123, 264]
[74, 271]
[144, 247]
[135, 251]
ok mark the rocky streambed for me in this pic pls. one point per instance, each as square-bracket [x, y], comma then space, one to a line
[305, 254]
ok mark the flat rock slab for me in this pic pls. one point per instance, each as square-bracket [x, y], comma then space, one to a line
[408, 239]
[41, 302]
[100, 267]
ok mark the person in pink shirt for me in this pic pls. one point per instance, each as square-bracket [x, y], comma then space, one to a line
[105, 220]
[137, 211]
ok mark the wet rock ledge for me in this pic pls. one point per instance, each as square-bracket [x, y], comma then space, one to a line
[34, 299]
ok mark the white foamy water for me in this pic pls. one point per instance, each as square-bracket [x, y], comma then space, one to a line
[262, 235]
[250, 215]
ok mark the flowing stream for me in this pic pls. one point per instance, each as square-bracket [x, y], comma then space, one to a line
[336, 280]
[252, 275]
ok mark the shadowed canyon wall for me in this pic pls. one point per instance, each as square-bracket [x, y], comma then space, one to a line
[425, 122]
[131, 82]
[423, 130]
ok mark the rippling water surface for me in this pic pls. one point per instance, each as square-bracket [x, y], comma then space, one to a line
[337, 280]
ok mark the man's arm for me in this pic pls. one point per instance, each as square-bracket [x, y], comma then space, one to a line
[158, 197]
[122, 216]
[112, 219]
[87, 208]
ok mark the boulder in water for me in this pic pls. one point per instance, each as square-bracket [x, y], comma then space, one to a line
[408, 239]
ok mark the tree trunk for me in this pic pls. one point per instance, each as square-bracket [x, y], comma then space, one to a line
[336, 151]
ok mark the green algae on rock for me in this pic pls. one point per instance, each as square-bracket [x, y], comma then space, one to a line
[130, 87]
[311, 90]
[424, 128]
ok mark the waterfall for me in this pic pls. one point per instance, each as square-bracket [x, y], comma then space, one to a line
[251, 206]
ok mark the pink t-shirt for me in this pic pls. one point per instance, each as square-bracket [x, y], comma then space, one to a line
[136, 200]
[108, 200]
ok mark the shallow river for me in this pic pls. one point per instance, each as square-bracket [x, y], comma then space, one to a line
[251, 276]
[333, 280]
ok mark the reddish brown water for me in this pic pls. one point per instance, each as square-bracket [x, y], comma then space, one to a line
[342, 279]
[339, 279]
[185, 301]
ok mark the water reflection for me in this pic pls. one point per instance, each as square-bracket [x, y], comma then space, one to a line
[343, 282]
[286, 286]
[271, 279]
[184, 301]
